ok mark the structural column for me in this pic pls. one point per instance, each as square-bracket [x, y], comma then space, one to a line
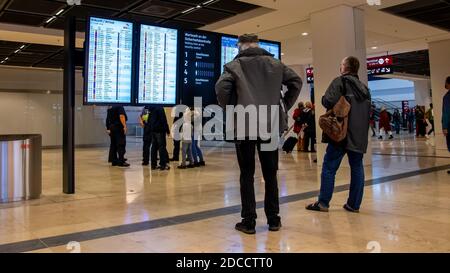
[440, 70]
[336, 33]
[69, 107]
[422, 90]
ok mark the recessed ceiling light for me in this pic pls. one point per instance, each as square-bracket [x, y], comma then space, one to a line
[282, 54]
[305, 34]
[50, 19]
[374, 47]
[208, 2]
[59, 12]
[188, 10]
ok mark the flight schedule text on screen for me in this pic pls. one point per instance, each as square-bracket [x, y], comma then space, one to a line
[157, 65]
[109, 74]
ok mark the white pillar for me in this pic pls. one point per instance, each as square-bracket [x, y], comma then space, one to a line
[440, 70]
[337, 32]
[422, 89]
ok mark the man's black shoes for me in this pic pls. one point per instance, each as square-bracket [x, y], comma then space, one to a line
[247, 227]
[274, 225]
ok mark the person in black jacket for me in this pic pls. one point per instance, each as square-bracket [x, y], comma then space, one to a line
[309, 124]
[356, 142]
[112, 148]
[118, 130]
[176, 143]
[147, 137]
[255, 78]
[397, 119]
[159, 130]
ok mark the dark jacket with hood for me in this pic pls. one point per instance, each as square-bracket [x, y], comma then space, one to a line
[358, 95]
[256, 78]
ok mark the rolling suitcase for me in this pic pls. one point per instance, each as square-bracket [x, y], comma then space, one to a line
[289, 144]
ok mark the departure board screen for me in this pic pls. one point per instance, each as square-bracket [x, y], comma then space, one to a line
[230, 49]
[200, 71]
[158, 65]
[272, 48]
[108, 78]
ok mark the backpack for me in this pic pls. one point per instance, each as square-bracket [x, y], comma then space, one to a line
[335, 122]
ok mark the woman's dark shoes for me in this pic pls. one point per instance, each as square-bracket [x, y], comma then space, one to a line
[181, 167]
[247, 227]
[202, 163]
[164, 168]
[317, 207]
[350, 209]
[145, 163]
[123, 165]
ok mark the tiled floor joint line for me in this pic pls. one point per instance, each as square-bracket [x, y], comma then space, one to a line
[36, 244]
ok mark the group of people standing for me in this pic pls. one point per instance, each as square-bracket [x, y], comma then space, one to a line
[305, 127]
[156, 130]
[416, 119]
[190, 132]
[245, 81]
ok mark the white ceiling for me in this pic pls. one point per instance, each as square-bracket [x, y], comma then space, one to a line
[288, 19]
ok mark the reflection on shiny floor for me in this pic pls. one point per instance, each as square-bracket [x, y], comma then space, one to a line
[411, 214]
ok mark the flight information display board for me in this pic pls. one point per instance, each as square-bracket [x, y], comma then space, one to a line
[109, 62]
[200, 71]
[157, 65]
[230, 49]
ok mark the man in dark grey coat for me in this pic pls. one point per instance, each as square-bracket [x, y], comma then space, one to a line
[355, 145]
[254, 79]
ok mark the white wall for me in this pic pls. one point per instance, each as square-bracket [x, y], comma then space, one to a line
[33, 113]
[26, 108]
[423, 93]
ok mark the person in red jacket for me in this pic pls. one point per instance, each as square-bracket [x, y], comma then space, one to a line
[385, 124]
[298, 126]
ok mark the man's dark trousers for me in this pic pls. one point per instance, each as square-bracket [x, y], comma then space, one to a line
[269, 165]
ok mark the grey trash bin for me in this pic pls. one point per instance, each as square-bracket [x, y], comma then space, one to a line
[20, 167]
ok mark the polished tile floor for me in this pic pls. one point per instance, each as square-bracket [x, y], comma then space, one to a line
[405, 209]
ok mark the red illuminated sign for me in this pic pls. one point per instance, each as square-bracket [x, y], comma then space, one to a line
[379, 62]
[310, 75]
